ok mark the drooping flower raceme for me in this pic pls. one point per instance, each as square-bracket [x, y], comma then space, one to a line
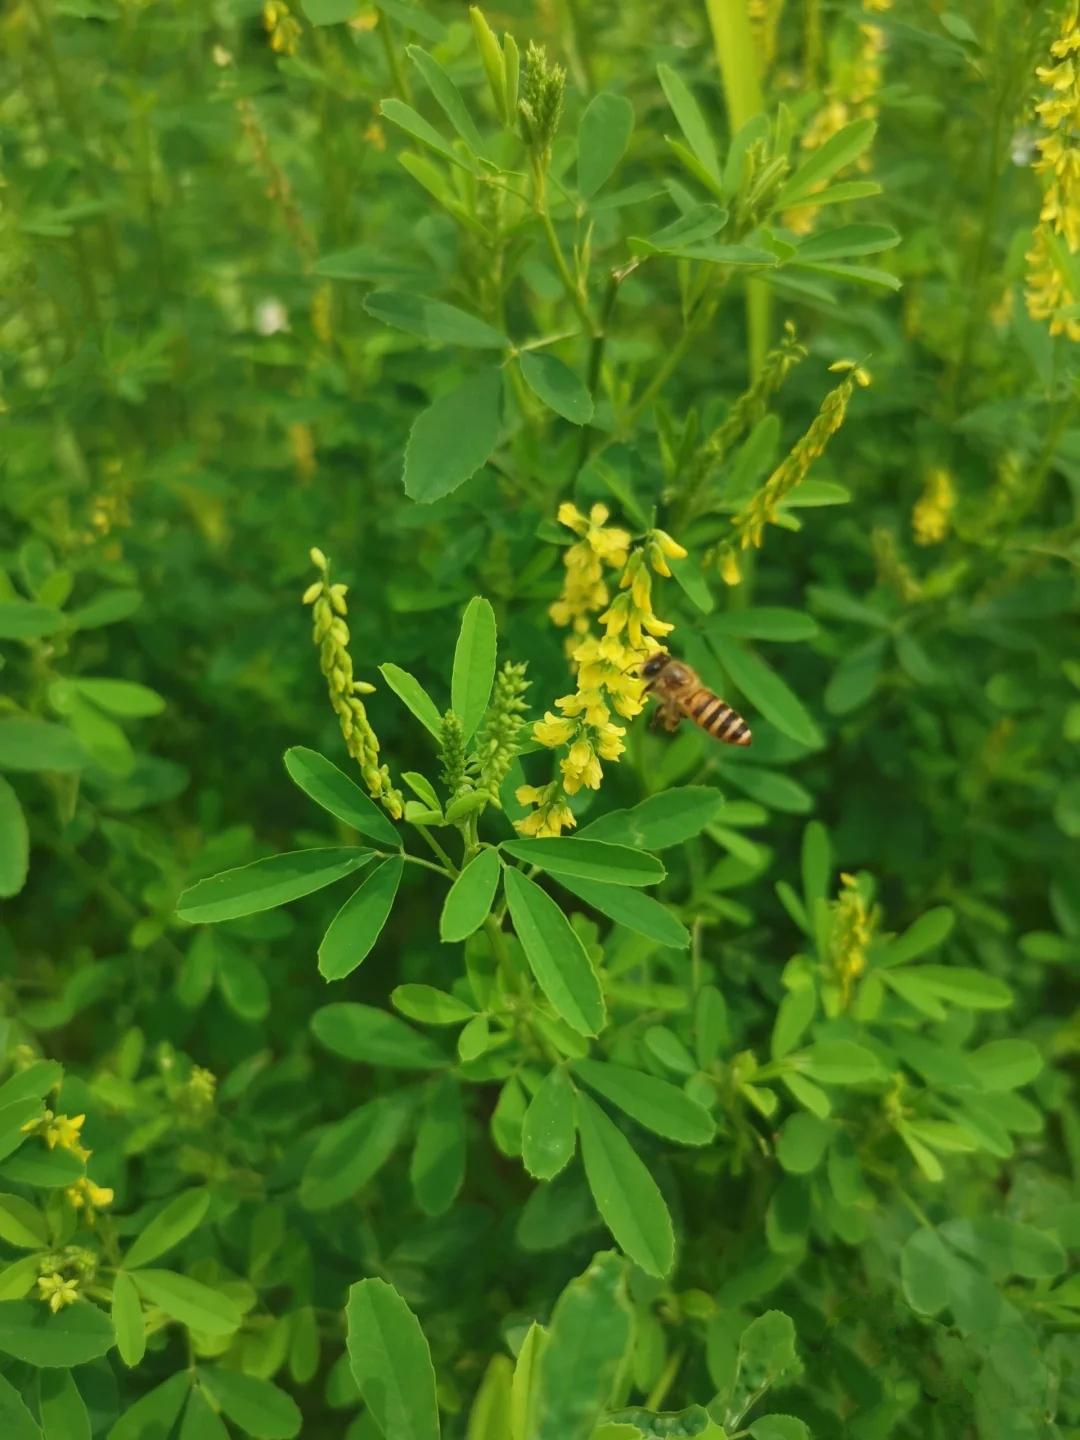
[606, 664]
[1052, 260]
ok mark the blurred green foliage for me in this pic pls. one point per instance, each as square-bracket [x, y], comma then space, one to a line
[746, 1106]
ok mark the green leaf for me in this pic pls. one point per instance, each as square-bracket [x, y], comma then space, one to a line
[603, 135]
[242, 985]
[331, 788]
[927, 1269]
[801, 1144]
[430, 1006]
[328, 12]
[128, 1322]
[44, 1169]
[765, 622]
[547, 1135]
[75, 1335]
[626, 1195]
[453, 437]
[28, 744]
[556, 385]
[447, 96]
[415, 697]
[588, 1340]
[848, 240]
[691, 121]
[351, 1152]
[200, 1308]
[1005, 1064]
[14, 843]
[22, 1224]
[841, 1062]
[201, 1421]
[1006, 1247]
[765, 689]
[766, 1356]
[24, 620]
[16, 1421]
[816, 864]
[555, 954]
[63, 1410]
[631, 908]
[256, 1406]
[437, 1168]
[838, 151]
[407, 119]
[474, 664]
[358, 924]
[855, 274]
[588, 860]
[927, 933]
[779, 1427]
[153, 1415]
[712, 1030]
[360, 1032]
[268, 883]
[793, 1015]
[926, 985]
[391, 1362]
[652, 1102]
[469, 902]
[489, 1417]
[660, 821]
[120, 697]
[168, 1227]
[692, 582]
[432, 320]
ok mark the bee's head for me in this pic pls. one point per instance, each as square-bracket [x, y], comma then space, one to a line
[654, 664]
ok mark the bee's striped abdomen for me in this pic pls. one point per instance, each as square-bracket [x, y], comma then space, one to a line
[716, 717]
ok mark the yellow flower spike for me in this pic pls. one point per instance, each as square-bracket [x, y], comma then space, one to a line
[931, 519]
[581, 767]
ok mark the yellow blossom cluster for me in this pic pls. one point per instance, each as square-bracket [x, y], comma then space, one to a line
[585, 590]
[1052, 265]
[761, 509]
[605, 665]
[282, 27]
[331, 634]
[931, 519]
[853, 95]
[853, 923]
[64, 1132]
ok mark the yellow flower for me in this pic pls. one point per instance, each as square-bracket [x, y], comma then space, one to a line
[581, 767]
[931, 518]
[84, 1194]
[63, 1130]
[552, 731]
[57, 1291]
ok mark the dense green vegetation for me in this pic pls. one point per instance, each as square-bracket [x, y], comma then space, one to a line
[499, 1067]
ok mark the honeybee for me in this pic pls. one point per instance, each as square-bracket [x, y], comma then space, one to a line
[679, 691]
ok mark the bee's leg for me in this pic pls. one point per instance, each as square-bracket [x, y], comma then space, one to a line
[672, 717]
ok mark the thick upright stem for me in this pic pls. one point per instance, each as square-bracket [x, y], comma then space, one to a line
[737, 58]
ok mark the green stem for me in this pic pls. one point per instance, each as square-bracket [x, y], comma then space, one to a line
[737, 58]
[397, 74]
[449, 865]
[419, 860]
[570, 285]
